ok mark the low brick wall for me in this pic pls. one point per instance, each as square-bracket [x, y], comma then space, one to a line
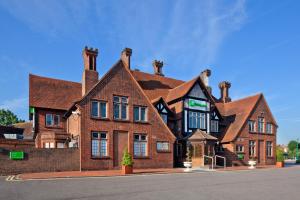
[39, 160]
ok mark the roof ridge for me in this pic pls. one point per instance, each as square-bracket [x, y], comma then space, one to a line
[166, 77]
[56, 79]
[243, 98]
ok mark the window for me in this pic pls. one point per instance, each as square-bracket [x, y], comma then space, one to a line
[261, 124]
[269, 149]
[60, 145]
[197, 120]
[251, 125]
[239, 148]
[49, 145]
[252, 152]
[269, 128]
[214, 125]
[99, 144]
[140, 145]
[99, 109]
[52, 120]
[120, 107]
[163, 146]
[139, 113]
[164, 117]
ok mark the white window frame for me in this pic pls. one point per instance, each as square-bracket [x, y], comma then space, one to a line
[96, 152]
[261, 125]
[199, 118]
[251, 125]
[140, 144]
[163, 146]
[269, 149]
[52, 123]
[120, 102]
[269, 128]
[99, 113]
[239, 148]
[252, 148]
[140, 114]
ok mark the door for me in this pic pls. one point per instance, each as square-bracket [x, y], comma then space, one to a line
[261, 152]
[120, 142]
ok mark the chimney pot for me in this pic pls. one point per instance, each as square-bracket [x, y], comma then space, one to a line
[158, 65]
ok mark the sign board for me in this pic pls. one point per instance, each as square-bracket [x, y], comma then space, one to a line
[197, 104]
[241, 156]
[16, 155]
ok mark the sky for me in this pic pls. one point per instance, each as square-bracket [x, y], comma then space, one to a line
[253, 44]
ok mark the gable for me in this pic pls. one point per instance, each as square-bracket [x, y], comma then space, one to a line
[119, 81]
[197, 92]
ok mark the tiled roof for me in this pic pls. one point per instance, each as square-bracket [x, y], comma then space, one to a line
[52, 93]
[27, 129]
[201, 135]
[239, 110]
[181, 90]
[155, 86]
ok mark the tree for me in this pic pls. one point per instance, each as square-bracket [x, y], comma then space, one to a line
[292, 148]
[8, 118]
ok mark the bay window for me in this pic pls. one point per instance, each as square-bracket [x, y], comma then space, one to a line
[197, 120]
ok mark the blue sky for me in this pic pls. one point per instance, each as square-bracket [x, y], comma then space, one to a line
[252, 44]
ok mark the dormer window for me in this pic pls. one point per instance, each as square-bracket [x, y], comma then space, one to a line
[162, 112]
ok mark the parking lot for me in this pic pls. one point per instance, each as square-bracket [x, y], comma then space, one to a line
[262, 184]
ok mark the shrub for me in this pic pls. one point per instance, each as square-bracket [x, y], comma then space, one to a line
[127, 158]
[279, 155]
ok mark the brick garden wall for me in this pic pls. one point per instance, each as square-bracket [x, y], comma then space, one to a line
[38, 160]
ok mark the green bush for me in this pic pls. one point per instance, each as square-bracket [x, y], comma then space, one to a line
[298, 161]
[279, 155]
[127, 158]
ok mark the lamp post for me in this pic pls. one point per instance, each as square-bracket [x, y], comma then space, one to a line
[297, 150]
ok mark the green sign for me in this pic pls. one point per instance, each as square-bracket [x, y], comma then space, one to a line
[241, 156]
[16, 155]
[31, 110]
[197, 103]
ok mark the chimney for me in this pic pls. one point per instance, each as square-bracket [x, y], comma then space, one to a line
[90, 74]
[158, 65]
[224, 88]
[205, 78]
[125, 57]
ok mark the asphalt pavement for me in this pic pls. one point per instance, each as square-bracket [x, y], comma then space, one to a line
[264, 184]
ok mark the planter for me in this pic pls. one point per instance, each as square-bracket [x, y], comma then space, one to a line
[252, 164]
[188, 166]
[127, 169]
[280, 164]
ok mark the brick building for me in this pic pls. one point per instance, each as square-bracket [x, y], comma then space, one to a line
[154, 116]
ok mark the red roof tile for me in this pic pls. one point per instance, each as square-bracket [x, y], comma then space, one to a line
[155, 86]
[240, 109]
[52, 93]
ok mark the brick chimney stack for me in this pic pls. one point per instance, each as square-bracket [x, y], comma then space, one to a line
[90, 74]
[125, 57]
[224, 88]
[158, 65]
[205, 78]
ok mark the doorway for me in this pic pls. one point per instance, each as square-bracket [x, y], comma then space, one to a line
[120, 142]
[260, 155]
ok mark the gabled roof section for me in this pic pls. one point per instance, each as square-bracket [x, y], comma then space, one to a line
[240, 110]
[201, 136]
[52, 93]
[155, 86]
[185, 88]
[161, 100]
